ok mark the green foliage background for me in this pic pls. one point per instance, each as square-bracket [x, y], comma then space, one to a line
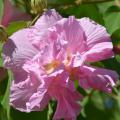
[96, 105]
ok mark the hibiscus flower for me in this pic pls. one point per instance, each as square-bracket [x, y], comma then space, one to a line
[48, 57]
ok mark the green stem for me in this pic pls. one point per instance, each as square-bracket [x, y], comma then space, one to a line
[34, 20]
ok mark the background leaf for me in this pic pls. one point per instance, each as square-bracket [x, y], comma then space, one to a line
[1, 9]
[15, 26]
[5, 101]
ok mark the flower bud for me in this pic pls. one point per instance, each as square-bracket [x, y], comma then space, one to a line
[38, 6]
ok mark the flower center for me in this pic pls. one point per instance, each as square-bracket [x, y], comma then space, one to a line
[68, 59]
[50, 67]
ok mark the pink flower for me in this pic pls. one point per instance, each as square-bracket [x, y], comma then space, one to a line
[47, 58]
[11, 13]
[82, 41]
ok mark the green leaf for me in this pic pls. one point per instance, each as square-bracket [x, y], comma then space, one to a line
[5, 101]
[84, 10]
[113, 9]
[111, 15]
[50, 111]
[103, 7]
[116, 37]
[118, 58]
[1, 9]
[112, 64]
[15, 26]
[101, 107]
[2, 113]
[112, 21]
[17, 115]
[3, 84]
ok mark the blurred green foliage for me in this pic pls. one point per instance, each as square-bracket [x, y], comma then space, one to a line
[96, 105]
[1, 9]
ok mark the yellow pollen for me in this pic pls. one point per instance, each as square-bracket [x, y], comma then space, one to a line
[68, 59]
[51, 66]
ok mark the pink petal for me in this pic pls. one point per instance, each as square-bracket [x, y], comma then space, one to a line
[67, 107]
[18, 49]
[94, 32]
[97, 78]
[62, 90]
[22, 91]
[7, 12]
[69, 41]
[70, 33]
[78, 60]
[100, 51]
[38, 35]
[31, 85]
[12, 13]
[97, 40]
[48, 19]
[39, 100]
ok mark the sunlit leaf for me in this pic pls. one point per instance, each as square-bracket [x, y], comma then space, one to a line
[5, 101]
[15, 26]
[112, 21]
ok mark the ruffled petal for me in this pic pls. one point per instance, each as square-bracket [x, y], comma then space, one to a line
[32, 85]
[37, 37]
[94, 32]
[18, 49]
[78, 60]
[70, 33]
[39, 100]
[22, 91]
[47, 19]
[67, 98]
[98, 40]
[68, 106]
[69, 41]
[97, 78]
[100, 51]
[38, 34]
